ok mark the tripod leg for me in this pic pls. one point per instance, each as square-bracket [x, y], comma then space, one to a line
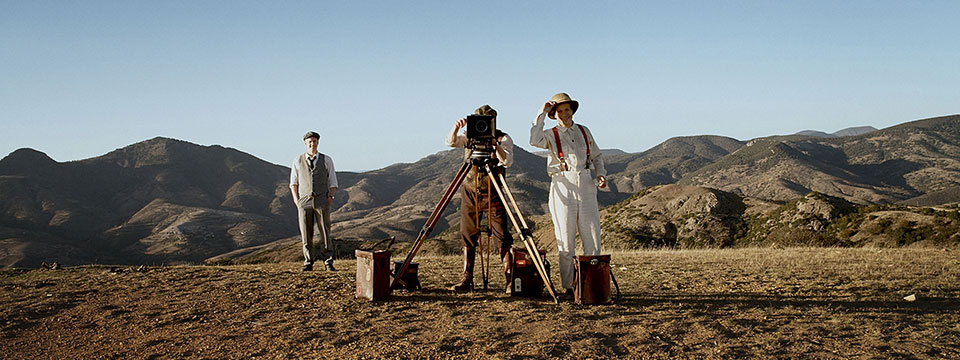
[476, 219]
[513, 202]
[486, 274]
[432, 221]
[527, 236]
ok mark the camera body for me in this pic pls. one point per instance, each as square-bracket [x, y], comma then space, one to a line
[481, 138]
[481, 129]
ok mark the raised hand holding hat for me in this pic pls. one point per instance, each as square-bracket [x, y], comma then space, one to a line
[558, 99]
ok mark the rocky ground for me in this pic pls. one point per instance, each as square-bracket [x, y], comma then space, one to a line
[744, 303]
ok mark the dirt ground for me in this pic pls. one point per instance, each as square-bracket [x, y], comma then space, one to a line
[705, 304]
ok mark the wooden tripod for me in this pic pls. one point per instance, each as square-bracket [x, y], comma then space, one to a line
[499, 183]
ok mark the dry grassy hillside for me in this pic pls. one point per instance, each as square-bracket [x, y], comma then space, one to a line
[692, 217]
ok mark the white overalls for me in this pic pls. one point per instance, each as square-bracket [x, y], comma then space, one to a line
[573, 190]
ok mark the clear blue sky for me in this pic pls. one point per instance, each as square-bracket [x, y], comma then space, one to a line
[384, 81]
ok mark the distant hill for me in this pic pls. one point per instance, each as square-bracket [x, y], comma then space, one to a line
[851, 131]
[946, 196]
[816, 133]
[854, 131]
[667, 162]
[884, 166]
[158, 201]
[606, 152]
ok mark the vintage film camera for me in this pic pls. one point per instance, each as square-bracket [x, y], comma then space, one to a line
[481, 137]
[480, 128]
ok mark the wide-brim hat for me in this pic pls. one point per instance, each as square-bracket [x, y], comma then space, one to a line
[562, 98]
[311, 134]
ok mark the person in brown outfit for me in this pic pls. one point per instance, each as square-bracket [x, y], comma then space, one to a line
[474, 200]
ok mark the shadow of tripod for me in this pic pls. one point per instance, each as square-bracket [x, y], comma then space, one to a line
[482, 159]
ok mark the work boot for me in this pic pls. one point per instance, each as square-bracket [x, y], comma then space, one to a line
[469, 255]
[328, 265]
[506, 257]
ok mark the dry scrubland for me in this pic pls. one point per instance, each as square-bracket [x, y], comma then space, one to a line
[746, 303]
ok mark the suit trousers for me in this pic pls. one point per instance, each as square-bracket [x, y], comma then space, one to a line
[574, 209]
[469, 207]
[314, 248]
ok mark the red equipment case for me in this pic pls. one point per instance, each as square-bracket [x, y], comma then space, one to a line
[373, 274]
[410, 278]
[525, 280]
[591, 280]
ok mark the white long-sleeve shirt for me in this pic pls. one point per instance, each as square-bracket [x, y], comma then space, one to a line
[331, 172]
[572, 143]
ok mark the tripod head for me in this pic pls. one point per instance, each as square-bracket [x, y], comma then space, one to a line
[482, 154]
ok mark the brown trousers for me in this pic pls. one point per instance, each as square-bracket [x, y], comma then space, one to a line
[497, 217]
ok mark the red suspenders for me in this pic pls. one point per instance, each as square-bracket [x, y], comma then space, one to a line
[556, 136]
[563, 163]
[584, 132]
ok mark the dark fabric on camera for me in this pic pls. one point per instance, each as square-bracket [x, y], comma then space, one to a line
[485, 110]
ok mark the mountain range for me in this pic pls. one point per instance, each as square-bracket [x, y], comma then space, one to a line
[157, 201]
[166, 201]
[885, 166]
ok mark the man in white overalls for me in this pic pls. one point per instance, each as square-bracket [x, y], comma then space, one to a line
[574, 155]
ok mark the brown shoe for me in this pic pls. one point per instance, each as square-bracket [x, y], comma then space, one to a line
[465, 285]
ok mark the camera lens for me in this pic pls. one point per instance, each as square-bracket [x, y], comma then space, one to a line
[482, 126]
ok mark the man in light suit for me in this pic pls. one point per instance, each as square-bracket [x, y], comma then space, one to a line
[313, 182]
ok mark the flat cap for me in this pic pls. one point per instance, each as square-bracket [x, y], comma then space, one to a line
[311, 134]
